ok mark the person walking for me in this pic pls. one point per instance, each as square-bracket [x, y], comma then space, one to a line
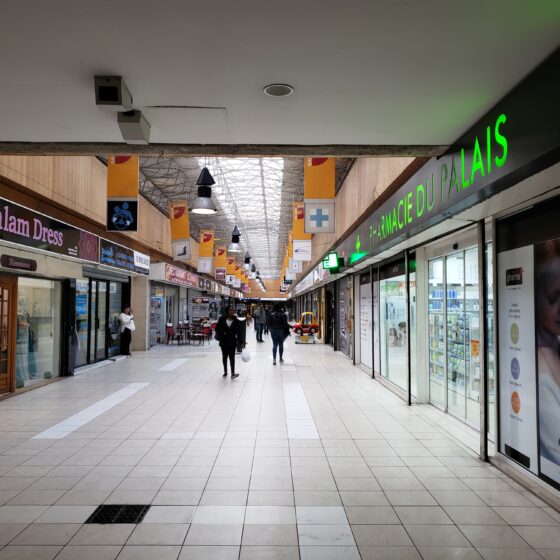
[127, 328]
[279, 330]
[229, 334]
[267, 311]
[260, 321]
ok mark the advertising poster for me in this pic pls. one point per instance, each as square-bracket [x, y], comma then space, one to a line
[518, 379]
[547, 290]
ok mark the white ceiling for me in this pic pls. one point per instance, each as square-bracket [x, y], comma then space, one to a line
[365, 72]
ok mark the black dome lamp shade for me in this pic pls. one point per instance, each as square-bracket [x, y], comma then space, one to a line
[204, 203]
[234, 246]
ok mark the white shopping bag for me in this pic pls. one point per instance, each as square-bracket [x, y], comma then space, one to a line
[246, 355]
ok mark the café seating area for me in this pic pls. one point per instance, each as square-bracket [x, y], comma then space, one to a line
[195, 332]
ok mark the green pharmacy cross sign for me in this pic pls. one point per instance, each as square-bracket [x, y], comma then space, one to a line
[331, 261]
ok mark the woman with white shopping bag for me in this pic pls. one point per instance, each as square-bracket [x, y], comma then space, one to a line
[229, 334]
[127, 327]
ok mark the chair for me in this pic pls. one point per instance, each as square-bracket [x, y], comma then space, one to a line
[169, 333]
[206, 333]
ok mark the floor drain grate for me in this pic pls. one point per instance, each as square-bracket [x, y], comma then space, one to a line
[118, 514]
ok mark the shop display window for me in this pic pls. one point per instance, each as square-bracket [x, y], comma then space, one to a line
[393, 327]
[81, 328]
[454, 334]
[115, 309]
[38, 331]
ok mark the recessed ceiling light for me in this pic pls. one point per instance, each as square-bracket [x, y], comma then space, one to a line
[278, 90]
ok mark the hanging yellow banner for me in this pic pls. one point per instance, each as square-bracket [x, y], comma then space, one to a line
[298, 228]
[319, 178]
[206, 243]
[230, 265]
[290, 244]
[122, 176]
[179, 220]
[122, 193]
[221, 256]
[180, 233]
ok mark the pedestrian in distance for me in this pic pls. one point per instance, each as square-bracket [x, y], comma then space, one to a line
[260, 321]
[127, 328]
[267, 311]
[229, 334]
[279, 330]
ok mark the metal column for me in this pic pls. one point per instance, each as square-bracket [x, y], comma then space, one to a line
[483, 290]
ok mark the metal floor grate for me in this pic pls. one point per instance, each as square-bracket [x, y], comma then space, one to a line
[118, 514]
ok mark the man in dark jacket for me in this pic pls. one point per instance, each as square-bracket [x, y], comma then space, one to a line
[229, 334]
[260, 321]
[279, 330]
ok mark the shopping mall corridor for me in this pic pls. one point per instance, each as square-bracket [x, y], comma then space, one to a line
[310, 459]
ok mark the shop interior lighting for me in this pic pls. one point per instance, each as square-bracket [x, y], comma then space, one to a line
[204, 203]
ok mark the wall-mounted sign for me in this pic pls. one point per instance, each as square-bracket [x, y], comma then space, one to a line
[31, 229]
[513, 141]
[123, 258]
[122, 193]
[17, 263]
[142, 261]
[302, 250]
[180, 276]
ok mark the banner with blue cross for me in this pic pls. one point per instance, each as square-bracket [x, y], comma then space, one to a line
[319, 216]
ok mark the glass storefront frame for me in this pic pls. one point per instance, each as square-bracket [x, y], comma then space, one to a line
[31, 337]
[97, 306]
[454, 366]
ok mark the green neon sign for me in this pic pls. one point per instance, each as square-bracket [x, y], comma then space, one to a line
[331, 261]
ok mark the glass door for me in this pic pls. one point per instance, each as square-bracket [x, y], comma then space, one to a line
[394, 353]
[92, 322]
[101, 321]
[472, 337]
[81, 328]
[436, 332]
[7, 332]
[456, 333]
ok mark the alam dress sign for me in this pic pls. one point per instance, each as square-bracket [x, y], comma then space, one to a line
[516, 139]
[31, 229]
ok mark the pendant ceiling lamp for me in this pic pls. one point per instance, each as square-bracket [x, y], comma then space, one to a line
[247, 264]
[234, 246]
[204, 203]
[253, 272]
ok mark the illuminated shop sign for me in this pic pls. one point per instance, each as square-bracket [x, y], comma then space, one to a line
[518, 138]
[31, 229]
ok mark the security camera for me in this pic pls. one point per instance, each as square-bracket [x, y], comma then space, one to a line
[135, 129]
[111, 94]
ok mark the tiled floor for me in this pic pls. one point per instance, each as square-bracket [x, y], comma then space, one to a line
[310, 460]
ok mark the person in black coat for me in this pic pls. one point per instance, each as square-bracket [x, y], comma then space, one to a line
[229, 334]
[279, 330]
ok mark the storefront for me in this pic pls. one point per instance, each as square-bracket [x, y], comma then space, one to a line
[62, 291]
[178, 295]
[102, 293]
[462, 260]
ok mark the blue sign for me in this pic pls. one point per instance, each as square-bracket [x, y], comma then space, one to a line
[81, 304]
[122, 215]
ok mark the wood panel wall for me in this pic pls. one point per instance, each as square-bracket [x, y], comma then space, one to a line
[366, 181]
[78, 183]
